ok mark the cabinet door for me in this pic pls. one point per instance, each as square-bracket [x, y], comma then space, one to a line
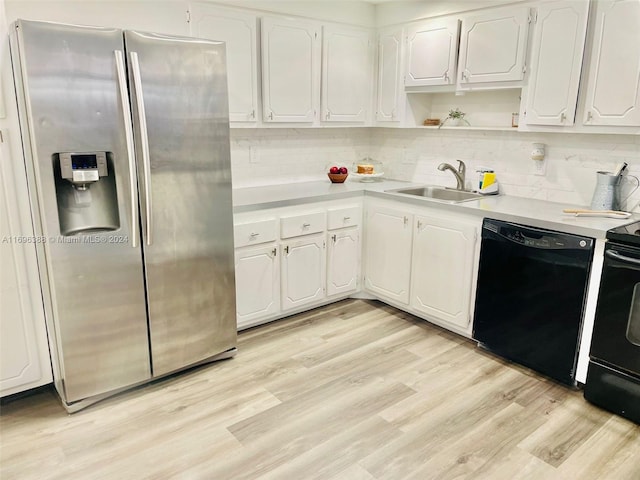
[431, 53]
[343, 261]
[290, 70]
[388, 253]
[613, 88]
[493, 46]
[346, 74]
[24, 352]
[389, 75]
[257, 283]
[303, 271]
[558, 45]
[238, 31]
[441, 280]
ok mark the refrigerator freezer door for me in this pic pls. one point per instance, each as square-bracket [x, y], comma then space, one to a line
[179, 99]
[92, 280]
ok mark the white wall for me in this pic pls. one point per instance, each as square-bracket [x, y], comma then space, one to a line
[354, 12]
[391, 13]
[572, 160]
[285, 155]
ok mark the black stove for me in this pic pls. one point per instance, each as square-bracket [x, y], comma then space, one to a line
[626, 234]
[613, 379]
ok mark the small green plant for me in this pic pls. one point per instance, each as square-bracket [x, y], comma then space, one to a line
[456, 113]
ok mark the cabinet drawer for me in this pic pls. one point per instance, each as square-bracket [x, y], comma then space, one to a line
[255, 232]
[343, 217]
[302, 224]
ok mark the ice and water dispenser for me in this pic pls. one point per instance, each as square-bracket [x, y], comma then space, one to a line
[86, 192]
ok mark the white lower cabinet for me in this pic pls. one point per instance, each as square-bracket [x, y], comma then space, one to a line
[291, 259]
[257, 283]
[442, 273]
[343, 261]
[303, 267]
[388, 252]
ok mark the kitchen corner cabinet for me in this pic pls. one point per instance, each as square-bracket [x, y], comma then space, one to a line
[346, 74]
[290, 70]
[431, 53]
[613, 85]
[388, 252]
[238, 30]
[389, 93]
[493, 48]
[303, 265]
[556, 62]
[441, 280]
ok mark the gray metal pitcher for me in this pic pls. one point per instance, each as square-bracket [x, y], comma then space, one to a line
[608, 192]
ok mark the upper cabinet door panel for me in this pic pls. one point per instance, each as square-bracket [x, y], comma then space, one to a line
[238, 31]
[558, 45]
[493, 46]
[613, 89]
[346, 74]
[431, 53]
[290, 63]
[389, 60]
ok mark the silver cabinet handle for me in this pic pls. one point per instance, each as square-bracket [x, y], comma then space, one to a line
[128, 135]
[306, 225]
[286, 249]
[144, 141]
[406, 220]
[464, 76]
[446, 77]
[253, 114]
[328, 115]
[333, 237]
[254, 235]
[419, 225]
[346, 219]
[563, 117]
[271, 116]
[274, 252]
[589, 116]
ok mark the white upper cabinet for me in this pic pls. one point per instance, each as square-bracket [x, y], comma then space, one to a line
[238, 31]
[556, 61]
[613, 87]
[346, 74]
[290, 70]
[432, 47]
[389, 95]
[493, 47]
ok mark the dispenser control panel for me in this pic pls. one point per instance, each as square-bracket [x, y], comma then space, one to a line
[83, 168]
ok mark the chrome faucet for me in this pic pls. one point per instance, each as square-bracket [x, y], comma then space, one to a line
[459, 173]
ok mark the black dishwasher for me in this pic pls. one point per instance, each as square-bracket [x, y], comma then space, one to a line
[530, 297]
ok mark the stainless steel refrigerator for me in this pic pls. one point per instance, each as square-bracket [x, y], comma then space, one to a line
[126, 141]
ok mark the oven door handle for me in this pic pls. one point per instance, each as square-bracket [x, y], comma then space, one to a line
[615, 255]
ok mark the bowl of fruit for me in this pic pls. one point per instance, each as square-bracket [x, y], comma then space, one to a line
[338, 174]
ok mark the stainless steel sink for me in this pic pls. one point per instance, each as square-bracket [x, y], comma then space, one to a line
[442, 194]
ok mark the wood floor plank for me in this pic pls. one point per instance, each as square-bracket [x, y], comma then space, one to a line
[354, 390]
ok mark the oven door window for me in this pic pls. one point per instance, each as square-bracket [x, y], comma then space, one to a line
[633, 324]
[616, 332]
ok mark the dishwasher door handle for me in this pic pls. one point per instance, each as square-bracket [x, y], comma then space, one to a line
[617, 256]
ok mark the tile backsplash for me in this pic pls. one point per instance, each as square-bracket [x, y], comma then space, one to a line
[272, 156]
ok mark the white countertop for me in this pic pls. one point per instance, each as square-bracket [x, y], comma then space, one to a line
[526, 211]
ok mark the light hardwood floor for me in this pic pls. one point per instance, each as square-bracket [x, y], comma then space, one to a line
[355, 390]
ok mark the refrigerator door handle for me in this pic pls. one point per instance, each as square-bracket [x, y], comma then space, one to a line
[144, 141]
[128, 133]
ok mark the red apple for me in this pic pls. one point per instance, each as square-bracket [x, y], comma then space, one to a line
[344, 170]
[334, 170]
